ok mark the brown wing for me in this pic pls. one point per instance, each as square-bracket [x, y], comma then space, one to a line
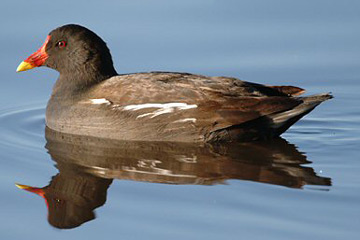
[221, 102]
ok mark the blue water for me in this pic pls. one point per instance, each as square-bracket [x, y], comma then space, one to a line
[307, 188]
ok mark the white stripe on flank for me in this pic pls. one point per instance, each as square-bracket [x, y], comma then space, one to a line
[180, 106]
[186, 120]
[162, 108]
[100, 101]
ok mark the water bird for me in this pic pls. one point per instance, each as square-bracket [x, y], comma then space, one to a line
[90, 98]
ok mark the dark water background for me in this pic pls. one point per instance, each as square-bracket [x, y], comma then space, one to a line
[307, 188]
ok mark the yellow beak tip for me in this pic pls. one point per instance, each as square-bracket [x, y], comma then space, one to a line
[21, 186]
[23, 66]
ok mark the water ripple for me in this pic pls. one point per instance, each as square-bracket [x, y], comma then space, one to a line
[23, 126]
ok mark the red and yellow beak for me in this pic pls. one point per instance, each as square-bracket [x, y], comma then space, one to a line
[38, 191]
[36, 59]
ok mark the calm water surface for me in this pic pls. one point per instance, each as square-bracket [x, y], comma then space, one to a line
[303, 186]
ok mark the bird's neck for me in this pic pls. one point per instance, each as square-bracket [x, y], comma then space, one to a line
[74, 84]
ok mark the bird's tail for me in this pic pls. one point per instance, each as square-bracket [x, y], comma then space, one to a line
[280, 122]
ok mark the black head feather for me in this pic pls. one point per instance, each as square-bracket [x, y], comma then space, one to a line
[81, 56]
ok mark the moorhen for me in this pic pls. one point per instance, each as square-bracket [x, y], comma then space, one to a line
[90, 98]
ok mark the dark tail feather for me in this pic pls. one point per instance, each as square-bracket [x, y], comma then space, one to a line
[282, 121]
[289, 90]
[269, 126]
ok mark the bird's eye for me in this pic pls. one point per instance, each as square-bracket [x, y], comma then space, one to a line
[61, 44]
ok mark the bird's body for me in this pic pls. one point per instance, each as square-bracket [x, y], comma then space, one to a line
[89, 98]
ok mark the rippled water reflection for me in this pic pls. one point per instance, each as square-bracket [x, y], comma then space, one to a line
[87, 166]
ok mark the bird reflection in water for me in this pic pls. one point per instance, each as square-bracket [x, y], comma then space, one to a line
[88, 165]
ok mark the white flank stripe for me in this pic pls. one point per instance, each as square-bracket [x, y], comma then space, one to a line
[186, 120]
[162, 108]
[100, 101]
[181, 106]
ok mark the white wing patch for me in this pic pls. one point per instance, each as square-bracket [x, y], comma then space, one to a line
[162, 108]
